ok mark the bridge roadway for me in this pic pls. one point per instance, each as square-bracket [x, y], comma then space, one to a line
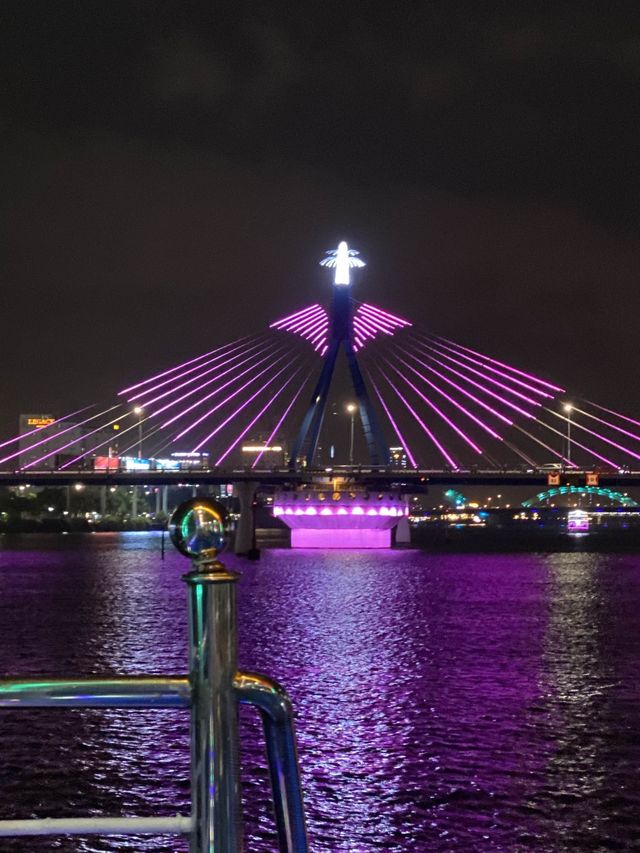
[411, 480]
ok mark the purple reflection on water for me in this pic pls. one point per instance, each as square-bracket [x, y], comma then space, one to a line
[444, 702]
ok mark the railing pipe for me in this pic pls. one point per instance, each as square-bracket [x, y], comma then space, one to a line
[118, 692]
[215, 785]
[177, 825]
[276, 712]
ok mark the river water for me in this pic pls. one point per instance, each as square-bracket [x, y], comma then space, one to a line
[444, 702]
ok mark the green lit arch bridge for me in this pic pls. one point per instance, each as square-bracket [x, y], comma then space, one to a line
[611, 494]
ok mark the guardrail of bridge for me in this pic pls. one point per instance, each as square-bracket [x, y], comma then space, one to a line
[212, 691]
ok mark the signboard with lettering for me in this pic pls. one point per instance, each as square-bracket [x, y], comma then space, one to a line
[593, 479]
[553, 479]
[40, 422]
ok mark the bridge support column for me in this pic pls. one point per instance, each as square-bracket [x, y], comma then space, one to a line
[158, 496]
[245, 491]
[165, 499]
[403, 532]
[134, 503]
[103, 500]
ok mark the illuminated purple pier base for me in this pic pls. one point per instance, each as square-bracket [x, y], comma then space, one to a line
[340, 519]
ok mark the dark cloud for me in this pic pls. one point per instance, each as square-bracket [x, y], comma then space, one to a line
[172, 176]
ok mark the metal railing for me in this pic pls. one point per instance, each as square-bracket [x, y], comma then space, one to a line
[212, 691]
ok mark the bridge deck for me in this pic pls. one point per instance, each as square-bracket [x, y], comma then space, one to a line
[412, 479]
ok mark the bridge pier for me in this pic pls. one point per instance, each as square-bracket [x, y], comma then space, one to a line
[246, 491]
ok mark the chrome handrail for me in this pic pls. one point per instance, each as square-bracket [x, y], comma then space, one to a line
[212, 692]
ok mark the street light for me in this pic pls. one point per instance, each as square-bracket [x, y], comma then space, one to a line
[568, 409]
[351, 409]
[139, 411]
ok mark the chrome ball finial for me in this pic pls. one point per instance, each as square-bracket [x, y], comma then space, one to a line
[198, 528]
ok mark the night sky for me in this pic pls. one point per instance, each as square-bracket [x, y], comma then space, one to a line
[172, 173]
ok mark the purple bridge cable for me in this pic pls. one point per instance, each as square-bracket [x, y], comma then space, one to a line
[578, 425]
[626, 432]
[515, 449]
[292, 318]
[216, 363]
[459, 388]
[555, 388]
[77, 440]
[384, 316]
[484, 376]
[372, 324]
[256, 418]
[231, 396]
[216, 390]
[450, 461]
[95, 447]
[184, 364]
[58, 434]
[301, 324]
[218, 375]
[437, 410]
[490, 392]
[41, 429]
[485, 366]
[310, 327]
[612, 412]
[451, 400]
[240, 408]
[305, 381]
[576, 443]
[539, 441]
[395, 426]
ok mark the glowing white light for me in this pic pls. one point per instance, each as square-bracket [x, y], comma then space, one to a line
[342, 258]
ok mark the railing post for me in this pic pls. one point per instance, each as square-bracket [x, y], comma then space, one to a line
[215, 778]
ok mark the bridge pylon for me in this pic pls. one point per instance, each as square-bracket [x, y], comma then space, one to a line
[340, 336]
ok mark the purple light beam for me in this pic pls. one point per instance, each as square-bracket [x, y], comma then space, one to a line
[476, 384]
[507, 366]
[232, 369]
[238, 410]
[184, 364]
[58, 434]
[454, 402]
[235, 393]
[280, 422]
[42, 428]
[437, 410]
[575, 423]
[495, 370]
[211, 394]
[484, 376]
[75, 441]
[395, 426]
[459, 388]
[174, 379]
[426, 429]
[257, 418]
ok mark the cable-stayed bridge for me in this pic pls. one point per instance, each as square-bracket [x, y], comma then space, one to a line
[449, 407]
